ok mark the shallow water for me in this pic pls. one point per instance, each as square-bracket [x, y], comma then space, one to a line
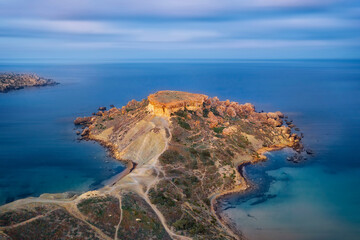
[319, 199]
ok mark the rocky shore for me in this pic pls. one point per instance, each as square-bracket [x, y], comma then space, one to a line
[14, 81]
[183, 152]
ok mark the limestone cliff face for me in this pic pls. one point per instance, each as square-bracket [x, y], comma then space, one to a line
[163, 103]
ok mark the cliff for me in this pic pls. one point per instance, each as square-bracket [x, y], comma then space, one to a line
[164, 103]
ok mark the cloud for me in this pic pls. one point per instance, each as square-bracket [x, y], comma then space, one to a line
[119, 31]
[304, 22]
[62, 26]
[146, 8]
[179, 26]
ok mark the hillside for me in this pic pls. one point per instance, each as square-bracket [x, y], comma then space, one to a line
[182, 153]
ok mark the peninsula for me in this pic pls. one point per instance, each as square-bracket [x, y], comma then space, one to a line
[182, 152]
[14, 81]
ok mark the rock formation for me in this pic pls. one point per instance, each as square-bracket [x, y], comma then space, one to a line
[163, 103]
[182, 152]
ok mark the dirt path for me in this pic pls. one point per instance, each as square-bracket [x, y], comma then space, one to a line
[121, 216]
[139, 181]
[74, 211]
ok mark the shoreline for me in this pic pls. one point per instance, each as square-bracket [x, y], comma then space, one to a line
[216, 198]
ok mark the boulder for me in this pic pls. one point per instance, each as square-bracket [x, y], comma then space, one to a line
[280, 114]
[220, 109]
[272, 115]
[285, 130]
[102, 108]
[82, 120]
[114, 111]
[273, 122]
[229, 130]
[212, 120]
[85, 132]
[231, 112]
[309, 151]
[248, 107]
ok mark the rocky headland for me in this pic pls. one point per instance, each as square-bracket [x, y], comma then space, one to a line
[14, 81]
[182, 152]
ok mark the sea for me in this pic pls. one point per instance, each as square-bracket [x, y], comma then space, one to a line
[318, 198]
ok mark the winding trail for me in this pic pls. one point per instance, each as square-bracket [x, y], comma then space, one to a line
[121, 216]
[140, 180]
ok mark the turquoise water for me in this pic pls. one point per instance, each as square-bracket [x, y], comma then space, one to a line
[317, 199]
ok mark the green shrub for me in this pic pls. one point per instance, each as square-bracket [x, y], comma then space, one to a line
[218, 129]
[183, 124]
[193, 164]
[170, 157]
[181, 113]
[207, 201]
[160, 198]
[205, 154]
[206, 112]
[216, 113]
[194, 179]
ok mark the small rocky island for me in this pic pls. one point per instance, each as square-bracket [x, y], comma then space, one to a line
[182, 152]
[14, 81]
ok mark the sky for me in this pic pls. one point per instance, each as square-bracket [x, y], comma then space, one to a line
[110, 30]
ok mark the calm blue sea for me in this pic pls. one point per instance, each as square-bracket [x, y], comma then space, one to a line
[317, 199]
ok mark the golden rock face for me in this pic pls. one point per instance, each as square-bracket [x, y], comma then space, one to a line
[163, 103]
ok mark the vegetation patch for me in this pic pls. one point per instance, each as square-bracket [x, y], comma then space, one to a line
[139, 220]
[183, 124]
[159, 198]
[218, 129]
[103, 212]
[181, 113]
[171, 157]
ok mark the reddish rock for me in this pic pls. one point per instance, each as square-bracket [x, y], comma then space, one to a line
[285, 130]
[85, 132]
[231, 112]
[207, 101]
[272, 115]
[280, 114]
[215, 100]
[248, 107]
[229, 130]
[82, 120]
[275, 115]
[273, 122]
[262, 117]
[114, 111]
[220, 109]
[199, 112]
[213, 120]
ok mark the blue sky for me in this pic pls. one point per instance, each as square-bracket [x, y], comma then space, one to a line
[109, 30]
